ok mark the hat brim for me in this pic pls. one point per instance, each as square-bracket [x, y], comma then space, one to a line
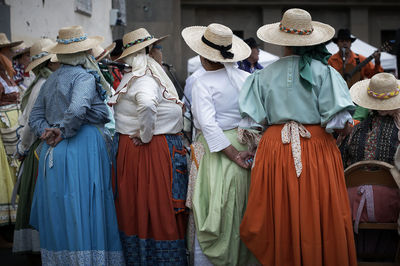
[37, 62]
[75, 47]
[271, 33]
[360, 96]
[11, 44]
[22, 51]
[140, 46]
[192, 36]
[108, 50]
[336, 39]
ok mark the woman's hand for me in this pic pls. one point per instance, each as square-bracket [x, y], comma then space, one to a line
[346, 130]
[52, 136]
[136, 139]
[242, 158]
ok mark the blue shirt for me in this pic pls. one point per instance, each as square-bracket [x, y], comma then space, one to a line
[246, 66]
[275, 94]
[68, 99]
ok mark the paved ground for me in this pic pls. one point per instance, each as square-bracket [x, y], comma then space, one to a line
[7, 258]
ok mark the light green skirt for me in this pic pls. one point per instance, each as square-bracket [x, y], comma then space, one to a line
[219, 203]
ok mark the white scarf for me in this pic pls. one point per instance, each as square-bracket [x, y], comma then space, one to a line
[142, 64]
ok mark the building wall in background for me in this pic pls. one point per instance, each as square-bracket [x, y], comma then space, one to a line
[368, 20]
[5, 19]
[159, 17]
[30, 20]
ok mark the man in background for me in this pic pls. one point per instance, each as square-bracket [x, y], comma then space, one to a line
[251, 64]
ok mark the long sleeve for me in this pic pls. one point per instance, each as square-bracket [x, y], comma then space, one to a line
[84, 90]
[204, 111]
[37, 118]
[147, 96]
[334, 96]
[250, 100]
[26, 138]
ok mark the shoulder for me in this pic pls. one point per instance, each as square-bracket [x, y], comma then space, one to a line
[146, 81]
[335, 56]
[71, 73]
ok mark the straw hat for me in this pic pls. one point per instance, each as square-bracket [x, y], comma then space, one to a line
[216, 42]
[381, 92]
[296, 29]
[38, 55]
[20, 49]
[100, 52]
[72, 40]
[137, 40]
[4, 42]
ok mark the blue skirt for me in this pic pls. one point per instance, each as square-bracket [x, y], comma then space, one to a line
[73, 207]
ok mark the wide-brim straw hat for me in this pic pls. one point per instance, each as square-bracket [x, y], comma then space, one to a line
[4, 42]
[38, 55]
[73, 39]
[20, 49]
[296, 29]
[137, 40]
[99, 52]
[215, 35]
[381, 92]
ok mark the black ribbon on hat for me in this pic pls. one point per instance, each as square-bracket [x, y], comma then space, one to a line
[223, 49]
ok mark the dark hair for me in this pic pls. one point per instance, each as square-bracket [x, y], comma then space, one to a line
[118, 48]
[251, 42]
[211, 62]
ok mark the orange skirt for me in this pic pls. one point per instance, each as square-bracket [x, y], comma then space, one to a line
[150, 203]
[298, 221]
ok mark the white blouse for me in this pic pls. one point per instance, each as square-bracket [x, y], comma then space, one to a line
[143, 110]
[27, 136]
[215, 107]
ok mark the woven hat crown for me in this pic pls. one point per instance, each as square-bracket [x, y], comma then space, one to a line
[218, 34]
[135, 35]
[298, 19]
[71, 32]
[383, 83]
[38, 46]
[4, 39]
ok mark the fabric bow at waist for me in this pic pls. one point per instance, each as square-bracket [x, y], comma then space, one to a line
[291, 133]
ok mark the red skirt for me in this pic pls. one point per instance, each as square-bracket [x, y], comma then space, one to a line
[150, 201]
[298, 221]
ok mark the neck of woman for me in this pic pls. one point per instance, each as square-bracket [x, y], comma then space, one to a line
[288, 51]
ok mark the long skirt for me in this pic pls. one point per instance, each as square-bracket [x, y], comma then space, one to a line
[8, 167]
[301, 220]
[219, 203]
[73, 206]
[150, 200]
[26, 238]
